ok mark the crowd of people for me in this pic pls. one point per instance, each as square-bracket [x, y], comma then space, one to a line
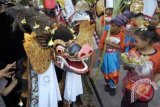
[131, 34]
[124, 33]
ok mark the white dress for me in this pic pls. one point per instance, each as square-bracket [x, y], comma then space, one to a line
[73, 86]
[49, 93]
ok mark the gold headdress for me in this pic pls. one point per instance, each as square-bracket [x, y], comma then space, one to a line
[82, 5]
[86, 32]
[137, 6]
[40, 58]
[100, 7]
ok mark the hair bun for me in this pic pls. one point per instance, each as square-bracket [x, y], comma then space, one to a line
[151, 28]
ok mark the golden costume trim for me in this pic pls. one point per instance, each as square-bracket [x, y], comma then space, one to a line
[39, 58]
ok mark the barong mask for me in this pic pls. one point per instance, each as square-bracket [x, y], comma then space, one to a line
[47, 40]
[73, 53]
[68, 55]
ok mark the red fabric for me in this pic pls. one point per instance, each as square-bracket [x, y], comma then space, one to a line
[50, 4]
[102, 21]
[103, 38]
[157, 46]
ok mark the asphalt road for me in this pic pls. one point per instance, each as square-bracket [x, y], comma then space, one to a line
[115, 101]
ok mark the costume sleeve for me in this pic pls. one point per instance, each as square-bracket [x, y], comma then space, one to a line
[156, 66]
[102, 40]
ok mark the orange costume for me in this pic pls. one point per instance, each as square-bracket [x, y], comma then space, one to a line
[143, 92]
[131, 77]
[111, 64]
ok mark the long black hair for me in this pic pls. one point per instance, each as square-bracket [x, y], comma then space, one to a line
[148, 33]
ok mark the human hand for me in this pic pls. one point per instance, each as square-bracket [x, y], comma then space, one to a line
[10, 66]
[90, 72]
[5, 73]
[14, 80]
[109, 42]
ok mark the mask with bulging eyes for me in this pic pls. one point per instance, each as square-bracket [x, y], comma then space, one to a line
[70, 55]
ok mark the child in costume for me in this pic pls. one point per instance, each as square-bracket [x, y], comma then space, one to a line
[107, 17]
[144, 65]
[128, 31]
[114, 44]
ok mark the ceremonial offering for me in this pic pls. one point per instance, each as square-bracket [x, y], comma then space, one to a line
[133, 59]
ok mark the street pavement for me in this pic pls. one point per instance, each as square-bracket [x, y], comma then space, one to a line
[115, 101]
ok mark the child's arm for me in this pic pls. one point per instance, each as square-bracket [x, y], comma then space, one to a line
[113, 45]
[117, 46]
[5, 91]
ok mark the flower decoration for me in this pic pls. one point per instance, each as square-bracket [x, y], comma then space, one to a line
[47, 28]
[71, 29]
[53, 31]
[50, 43]
[36, 26]
[132, 58]
[23, 21]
